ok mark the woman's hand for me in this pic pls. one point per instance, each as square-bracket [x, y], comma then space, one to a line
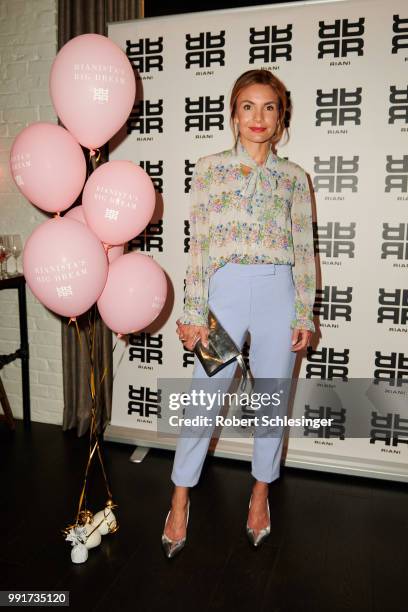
[300, 338]
[190, 334]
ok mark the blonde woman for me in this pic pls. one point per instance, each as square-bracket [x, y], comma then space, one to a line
[252, 263]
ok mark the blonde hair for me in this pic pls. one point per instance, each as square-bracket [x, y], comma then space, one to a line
[263, 77]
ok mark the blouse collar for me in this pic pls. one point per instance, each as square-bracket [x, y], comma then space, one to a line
[242, 155]
[261, 176]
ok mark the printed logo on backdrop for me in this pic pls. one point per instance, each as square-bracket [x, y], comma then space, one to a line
[398, 111]
[188, 356]
[186, 241]
[146, 349]
[155, 171]
[327, 364]
[391, 367]
[270, 45]
[340, 39]
[337, 429]
[333, 305]
[144, 404]
[393, 309]
[146, 56]
[400, 39]
[335, 241]
[188, 173]
[151, 239]
[395, 244]
[390, 430]
[204, 51]
[146, 119]
[204, 115]
[396, 176]
[336, 175]
[338, 108]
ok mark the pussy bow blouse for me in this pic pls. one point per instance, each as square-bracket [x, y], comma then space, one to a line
[247, 213]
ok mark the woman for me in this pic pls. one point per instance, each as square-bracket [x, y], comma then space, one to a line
[252, 263]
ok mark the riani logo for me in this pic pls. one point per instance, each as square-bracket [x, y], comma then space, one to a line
[270, 44]
[334, 241]
[327, 363]
[204, 114]
[336, 174]
[395, 243]
[144, 402]
[393, 309]
[188, 358]
[398, 110]
[146, 55]
[391, 367]
[400, 29]
[186, 238]
[336, 430]
[396, 175]
[146, 348]
[338, 107]
[205, 51]
[340, 39]
[150, 239]
[188, 174]
[145, 118]
[333, 304]
[389, 429]
[155, 171]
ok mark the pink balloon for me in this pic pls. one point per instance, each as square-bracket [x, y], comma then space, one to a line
[48, 166]
[77, 213]
[65, 266]
[92, 87]
[134, 293]
[115, 252]
[118, 201]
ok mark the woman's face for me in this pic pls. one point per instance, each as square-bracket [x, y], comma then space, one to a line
[257, 113]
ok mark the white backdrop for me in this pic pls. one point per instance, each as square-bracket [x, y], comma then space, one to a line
[345, 66]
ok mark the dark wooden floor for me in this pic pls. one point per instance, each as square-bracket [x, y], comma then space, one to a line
[337, 542]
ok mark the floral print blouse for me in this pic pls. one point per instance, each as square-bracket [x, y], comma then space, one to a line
[244, 212]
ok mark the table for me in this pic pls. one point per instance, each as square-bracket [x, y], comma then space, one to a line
[18, 282]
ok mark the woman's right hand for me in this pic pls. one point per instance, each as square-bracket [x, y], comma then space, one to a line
[190, 334]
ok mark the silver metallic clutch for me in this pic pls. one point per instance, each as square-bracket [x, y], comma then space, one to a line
[221, 350]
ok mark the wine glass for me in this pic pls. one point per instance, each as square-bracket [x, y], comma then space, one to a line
[6, 253]
[2, 256]
[16, 248]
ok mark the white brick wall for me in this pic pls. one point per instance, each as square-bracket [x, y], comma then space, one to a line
[28, 44]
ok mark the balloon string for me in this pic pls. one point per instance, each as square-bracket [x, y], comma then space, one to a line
[92, 153]
[77, 328]
[93, 437]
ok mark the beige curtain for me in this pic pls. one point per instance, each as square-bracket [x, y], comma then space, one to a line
[77, 17]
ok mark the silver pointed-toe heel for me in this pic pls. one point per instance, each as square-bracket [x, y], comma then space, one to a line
[172, 547]
[263, 533]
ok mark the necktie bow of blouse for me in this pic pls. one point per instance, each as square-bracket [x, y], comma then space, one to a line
[259, 178]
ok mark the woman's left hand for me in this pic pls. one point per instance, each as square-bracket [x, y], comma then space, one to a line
[300, 339]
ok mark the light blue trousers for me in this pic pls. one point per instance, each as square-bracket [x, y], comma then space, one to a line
[259, 298]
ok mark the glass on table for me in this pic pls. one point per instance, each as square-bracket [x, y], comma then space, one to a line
[5, 253]
[16, 248]
[2, 256]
